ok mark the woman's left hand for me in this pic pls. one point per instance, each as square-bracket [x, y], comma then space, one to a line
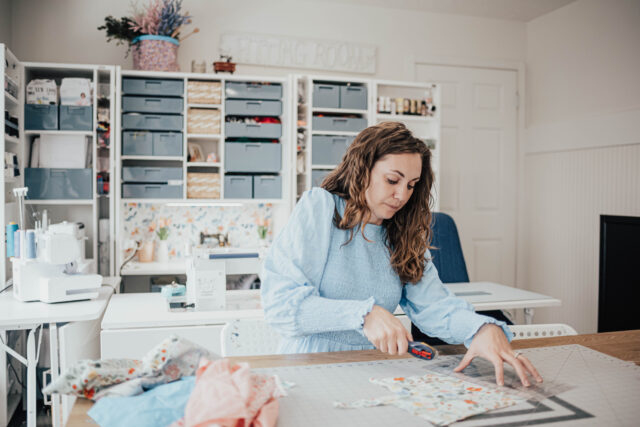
[491, 344]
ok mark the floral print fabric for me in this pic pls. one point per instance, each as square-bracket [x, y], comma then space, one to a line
[439, 399]
[170, 360]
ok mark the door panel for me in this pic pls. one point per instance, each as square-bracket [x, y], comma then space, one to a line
[478, 164]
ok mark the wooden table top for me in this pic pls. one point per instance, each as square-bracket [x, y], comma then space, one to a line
[623, 345]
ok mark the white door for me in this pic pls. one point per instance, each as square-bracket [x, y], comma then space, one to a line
[478, 164]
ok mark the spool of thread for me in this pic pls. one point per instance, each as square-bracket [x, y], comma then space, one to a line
[11, 229]
[103, 230]
[16, 243]
[30, 244]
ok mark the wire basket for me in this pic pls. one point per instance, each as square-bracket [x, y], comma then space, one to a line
[155, 53]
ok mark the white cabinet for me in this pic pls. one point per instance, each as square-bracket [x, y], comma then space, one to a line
[68, 193]
[135, 343]
[134, 323]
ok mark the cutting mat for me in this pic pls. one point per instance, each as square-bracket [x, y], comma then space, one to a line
[595, 389]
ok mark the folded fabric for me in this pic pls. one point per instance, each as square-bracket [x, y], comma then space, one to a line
[87, 377]
[158, 407]
[173, 358]
[231, 395]
[437, 398]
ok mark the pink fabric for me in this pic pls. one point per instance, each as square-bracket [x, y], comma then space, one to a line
[231, 396]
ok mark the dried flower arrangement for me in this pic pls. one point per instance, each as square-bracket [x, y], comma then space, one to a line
[158, 17]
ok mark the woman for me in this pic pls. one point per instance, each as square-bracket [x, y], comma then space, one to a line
[357, 247]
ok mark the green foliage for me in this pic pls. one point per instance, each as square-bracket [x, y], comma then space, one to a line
[163, 233]
[120, 30]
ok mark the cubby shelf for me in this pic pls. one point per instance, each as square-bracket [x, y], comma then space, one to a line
[172, 158]
[406, 117]
[204, 164]
[80, 202]
[92, 207]
[59, 132]
[10, 99]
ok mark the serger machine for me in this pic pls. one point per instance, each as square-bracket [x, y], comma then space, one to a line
[207, 270]
[49, 264]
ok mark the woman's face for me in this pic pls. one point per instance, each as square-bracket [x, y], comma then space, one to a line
[391, 185]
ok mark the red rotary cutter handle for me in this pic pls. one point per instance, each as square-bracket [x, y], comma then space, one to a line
[422, 350]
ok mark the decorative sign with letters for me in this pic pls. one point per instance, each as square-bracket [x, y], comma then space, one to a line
[280, 51]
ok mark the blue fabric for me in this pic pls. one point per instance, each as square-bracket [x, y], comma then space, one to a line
[160, 406]
[316, 290]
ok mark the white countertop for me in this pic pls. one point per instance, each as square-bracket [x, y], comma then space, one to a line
[492, 296]
[14, 313]
[179, 265]
[149, 310]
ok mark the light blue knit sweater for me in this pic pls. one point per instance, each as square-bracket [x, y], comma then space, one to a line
[316, 291]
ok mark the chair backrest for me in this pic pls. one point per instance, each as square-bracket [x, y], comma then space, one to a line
[522, 332]
[447, 257]
[248, 337]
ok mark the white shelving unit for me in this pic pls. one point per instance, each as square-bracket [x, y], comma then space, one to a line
[11, 70]
[209, 143]
[98, 206]
[426, 127]
[423, 127]
[304, 94]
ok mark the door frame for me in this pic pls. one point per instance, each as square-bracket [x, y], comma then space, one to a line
[508, 65]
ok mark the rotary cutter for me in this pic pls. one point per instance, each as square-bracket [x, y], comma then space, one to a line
[422, 350]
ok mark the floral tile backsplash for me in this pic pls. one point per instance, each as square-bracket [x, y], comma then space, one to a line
[185, 224]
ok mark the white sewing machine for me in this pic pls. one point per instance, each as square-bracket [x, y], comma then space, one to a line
[207, 269]
[59, 271]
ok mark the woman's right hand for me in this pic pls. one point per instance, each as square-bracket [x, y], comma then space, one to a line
[386, 332]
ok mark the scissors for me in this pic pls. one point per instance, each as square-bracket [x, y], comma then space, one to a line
[422, 350]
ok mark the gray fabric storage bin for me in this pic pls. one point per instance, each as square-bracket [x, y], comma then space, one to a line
[253, 130]
[151, 174]
[267, 186]
[163, 87]
[317, 176]
[245, 90]
[241, 107]
[167, 143]
[326, 95]
[50, 183]
[328, 150]
[76, 117]
[238, 186]
[339, 124]
[137, 143]
[151, 104]
[252, 157]
[40, 117]
[151, 121]
[151, 191]
[353, 97]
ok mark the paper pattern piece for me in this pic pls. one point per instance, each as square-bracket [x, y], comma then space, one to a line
[439, 399]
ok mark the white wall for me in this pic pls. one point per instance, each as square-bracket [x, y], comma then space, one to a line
[65, 31]
[5, 22]
[582, 150]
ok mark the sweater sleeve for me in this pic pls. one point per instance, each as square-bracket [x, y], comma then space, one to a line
[293, 270]
[436, 311]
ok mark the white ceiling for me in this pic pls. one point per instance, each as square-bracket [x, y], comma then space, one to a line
[516, 10]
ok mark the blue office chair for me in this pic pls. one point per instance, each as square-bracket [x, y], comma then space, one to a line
[449, 261]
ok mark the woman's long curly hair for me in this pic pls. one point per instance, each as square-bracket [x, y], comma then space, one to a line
[407, 232]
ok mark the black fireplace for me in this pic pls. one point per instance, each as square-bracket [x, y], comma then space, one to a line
[619, 298]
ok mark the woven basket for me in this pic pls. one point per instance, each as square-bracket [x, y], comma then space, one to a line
[204, 92]
[203, 121]
[155, 53]
[202, 185]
